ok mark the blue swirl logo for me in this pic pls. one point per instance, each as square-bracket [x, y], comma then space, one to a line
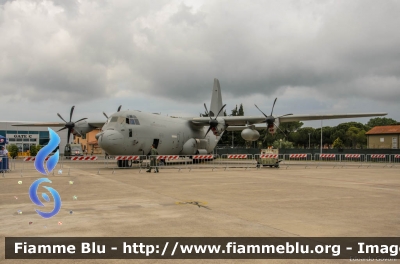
[51, 164]
[45, 151]
[35, 199]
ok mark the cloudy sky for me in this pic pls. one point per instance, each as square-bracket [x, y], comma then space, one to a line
[162, 56]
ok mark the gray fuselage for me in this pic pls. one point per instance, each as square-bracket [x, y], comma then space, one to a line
[133, 133]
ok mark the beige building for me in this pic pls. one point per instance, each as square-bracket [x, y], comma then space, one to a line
[383, 137]
[90, 143]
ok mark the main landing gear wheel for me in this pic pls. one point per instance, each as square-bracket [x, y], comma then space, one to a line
[124, 163]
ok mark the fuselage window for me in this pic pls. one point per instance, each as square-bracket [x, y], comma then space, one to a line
[132, 120]
[114, 119]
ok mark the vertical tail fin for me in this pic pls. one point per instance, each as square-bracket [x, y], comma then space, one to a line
[216, 99]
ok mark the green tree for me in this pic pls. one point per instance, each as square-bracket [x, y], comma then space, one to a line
[33, 150]
[341, 130]
[381, 121]
[362, 139]
[351, 134]
[240, 111]
[13, 150]
[357, 136]
[290, 127]
[338, 143]
[284, 144]
[301, 137]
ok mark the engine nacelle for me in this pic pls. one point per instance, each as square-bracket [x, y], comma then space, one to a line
[220, 128]
[82, 128]
[194, 146]
[272, 128]
[250, 134]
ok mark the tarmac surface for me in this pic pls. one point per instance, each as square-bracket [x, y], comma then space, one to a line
[269, 202]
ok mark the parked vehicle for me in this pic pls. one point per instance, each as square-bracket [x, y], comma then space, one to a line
[268, 161]
[72, 150]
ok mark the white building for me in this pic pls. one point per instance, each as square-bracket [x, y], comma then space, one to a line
[24, 137]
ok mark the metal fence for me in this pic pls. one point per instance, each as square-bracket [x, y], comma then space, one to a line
[98, 164]
[327, 159]
[237, 161]
[395, 160]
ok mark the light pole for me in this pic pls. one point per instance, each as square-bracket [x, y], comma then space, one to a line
[309, 140]
[321, 136]
[280, 143]
[232, 139]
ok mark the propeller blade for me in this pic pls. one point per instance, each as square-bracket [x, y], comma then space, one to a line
[119, 108]
[72, 111]
[273, 106]
[280, 130]
[105, 115]
[69, 135]
[62, 129]
[261, 111]
[61, 117]
[284, 115]
[207, 131]
[208, 114]
[77, 132]
[80, 120]
[220, 110]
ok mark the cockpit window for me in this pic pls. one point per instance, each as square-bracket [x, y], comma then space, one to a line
[132, 120]
[121, 119]
[114, 119]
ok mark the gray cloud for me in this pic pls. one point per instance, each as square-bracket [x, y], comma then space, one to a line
[83, 51]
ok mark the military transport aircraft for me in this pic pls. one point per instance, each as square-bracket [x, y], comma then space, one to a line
[133, 132]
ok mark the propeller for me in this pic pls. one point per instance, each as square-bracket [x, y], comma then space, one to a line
[119, 108]
[70, 125]
[213, 122]
[270, 120]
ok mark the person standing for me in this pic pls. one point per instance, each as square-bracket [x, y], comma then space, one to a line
[153, 159]
[3, 151]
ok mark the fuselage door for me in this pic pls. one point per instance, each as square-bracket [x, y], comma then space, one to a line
[155, 142]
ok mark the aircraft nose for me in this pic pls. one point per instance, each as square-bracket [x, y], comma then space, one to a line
[110, 140]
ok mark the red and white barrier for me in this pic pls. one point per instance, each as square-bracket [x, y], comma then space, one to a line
[331, 156]
[268, 156]
[84, 158]
[203, 157]
[33, 158]
[168, 157]
[239, 156]
[297, 156]
[127, 157]
[352, 156]
[397, 156]
[378, 156]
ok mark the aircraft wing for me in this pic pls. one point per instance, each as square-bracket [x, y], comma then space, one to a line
[293, 118]
[249, 120]
[57, 124]
[49, 124]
